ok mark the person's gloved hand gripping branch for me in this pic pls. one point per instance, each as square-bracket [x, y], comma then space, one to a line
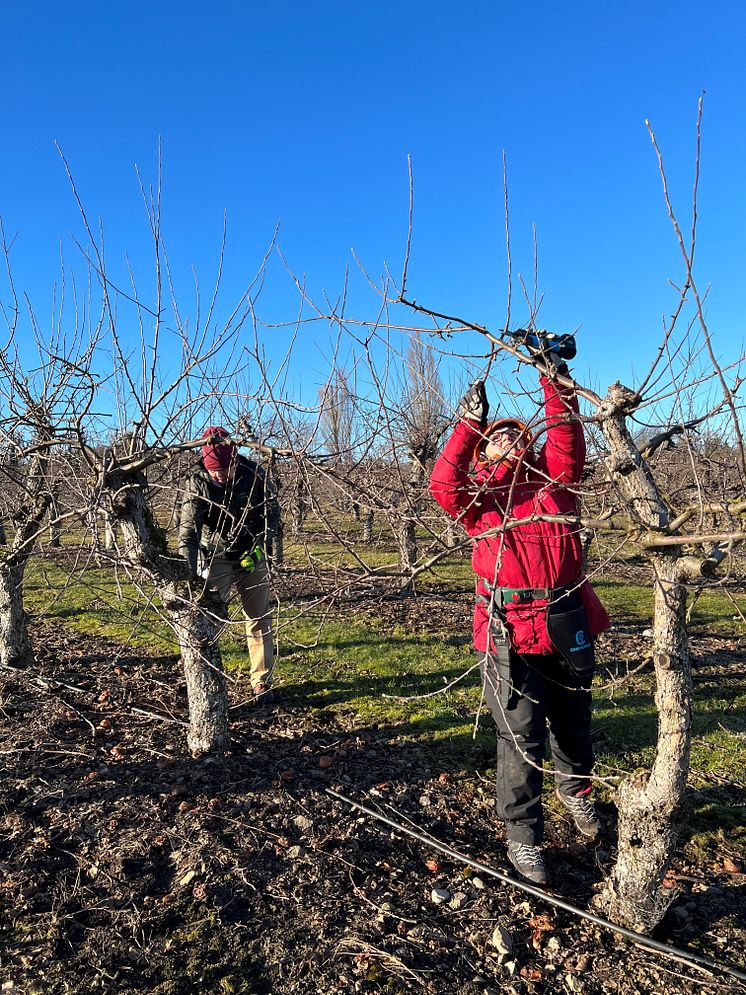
[474, 405]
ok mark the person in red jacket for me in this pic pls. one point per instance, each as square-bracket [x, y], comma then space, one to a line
[536, 614]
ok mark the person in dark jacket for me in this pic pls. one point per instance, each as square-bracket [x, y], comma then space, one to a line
[228, 516]
[536, 614]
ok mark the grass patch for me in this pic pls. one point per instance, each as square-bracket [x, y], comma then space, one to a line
[350, 673]
[97, 603]
[713, 613]
[626, 601]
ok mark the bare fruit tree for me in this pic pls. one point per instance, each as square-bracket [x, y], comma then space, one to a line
[161, 385]
[46, 391]
[418, 428]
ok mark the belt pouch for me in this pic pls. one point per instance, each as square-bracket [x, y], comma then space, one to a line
[572, 639]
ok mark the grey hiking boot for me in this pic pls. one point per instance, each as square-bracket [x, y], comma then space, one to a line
[528, 861]
[584, 814]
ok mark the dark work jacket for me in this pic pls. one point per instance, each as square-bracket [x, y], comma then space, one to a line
[242, 514]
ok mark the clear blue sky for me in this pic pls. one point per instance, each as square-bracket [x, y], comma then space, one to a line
[306, 113]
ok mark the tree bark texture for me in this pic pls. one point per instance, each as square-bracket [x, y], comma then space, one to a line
[367, 530]
[453, 533]
[628, 470]
[650, 804]
[197, 624]
[300, 503]
[54, 528]
[406, 527]
[278, 547]
[407, 540]
[197, 628]
[15, 645]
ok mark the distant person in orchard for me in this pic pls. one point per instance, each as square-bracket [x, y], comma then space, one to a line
[228, 515]
[536, 615]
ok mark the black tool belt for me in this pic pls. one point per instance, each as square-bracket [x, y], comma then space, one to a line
[567, 623]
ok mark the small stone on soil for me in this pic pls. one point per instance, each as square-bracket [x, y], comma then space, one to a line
[553, 945]
[502, 940]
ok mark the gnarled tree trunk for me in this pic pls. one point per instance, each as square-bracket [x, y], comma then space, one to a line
[15, 645]
[407, 540]
[197, 624]
[650, 803]
[405, 527]
[197, 628]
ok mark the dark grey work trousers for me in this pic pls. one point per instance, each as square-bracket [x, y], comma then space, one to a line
[544, 693]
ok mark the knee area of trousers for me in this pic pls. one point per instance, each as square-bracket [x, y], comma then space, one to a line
[527, 743]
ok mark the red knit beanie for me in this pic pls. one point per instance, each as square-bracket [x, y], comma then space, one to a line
[217, 456]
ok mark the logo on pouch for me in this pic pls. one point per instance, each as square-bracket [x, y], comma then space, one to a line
[581, 642]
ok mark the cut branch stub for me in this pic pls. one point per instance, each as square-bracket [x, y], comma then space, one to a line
[625, 463]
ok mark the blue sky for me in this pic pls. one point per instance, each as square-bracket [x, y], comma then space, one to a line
[306, 114]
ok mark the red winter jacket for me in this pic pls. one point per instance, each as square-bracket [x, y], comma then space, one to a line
[535, 554]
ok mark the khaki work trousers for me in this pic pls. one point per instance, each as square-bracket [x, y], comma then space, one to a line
[253, 590]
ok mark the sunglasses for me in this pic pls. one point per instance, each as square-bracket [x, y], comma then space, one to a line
[509, 432]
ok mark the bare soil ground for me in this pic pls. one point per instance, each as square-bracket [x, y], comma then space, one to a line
[127, 866]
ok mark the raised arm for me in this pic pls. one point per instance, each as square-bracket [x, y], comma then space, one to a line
[450, 483]
[563, 455]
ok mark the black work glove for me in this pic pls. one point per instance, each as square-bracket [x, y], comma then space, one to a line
[474, 405]
[552, 350]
